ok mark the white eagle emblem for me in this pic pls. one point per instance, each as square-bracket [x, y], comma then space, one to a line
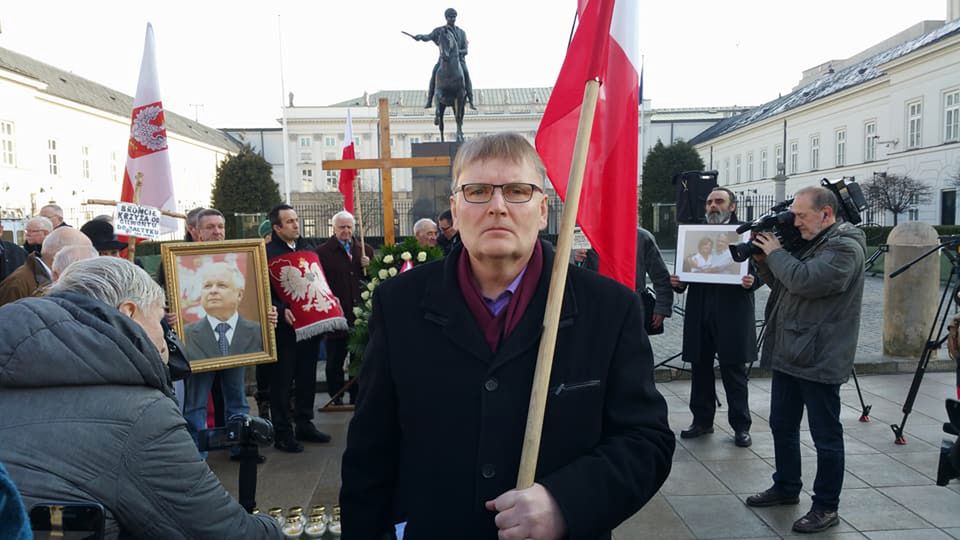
[309, 285]
[148, 135]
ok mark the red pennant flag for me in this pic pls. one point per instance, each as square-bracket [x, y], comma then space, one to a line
[147, 148]
[604, 47]
[347, 176]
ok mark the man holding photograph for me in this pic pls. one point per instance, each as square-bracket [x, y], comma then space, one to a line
[719, 321]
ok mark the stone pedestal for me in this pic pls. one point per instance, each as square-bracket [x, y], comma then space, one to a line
[431, 185]
[910, 299]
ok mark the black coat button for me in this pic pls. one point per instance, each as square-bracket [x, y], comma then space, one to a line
[491, 385]
[488, 471]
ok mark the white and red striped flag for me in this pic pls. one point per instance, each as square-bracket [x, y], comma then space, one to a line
[147, 149]
[347, 176]
[605, 46]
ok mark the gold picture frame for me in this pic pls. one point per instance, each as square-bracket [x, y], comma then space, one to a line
[209, 283]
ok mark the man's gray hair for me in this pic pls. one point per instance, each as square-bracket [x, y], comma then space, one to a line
[71, 254]
[208, 269]
[343, 214]
[507, 146]
[112, 281]
[820, 198]
[422, 224]
[57, 210]
[41, 222]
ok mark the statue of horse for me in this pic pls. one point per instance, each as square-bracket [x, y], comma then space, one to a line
[451, 90]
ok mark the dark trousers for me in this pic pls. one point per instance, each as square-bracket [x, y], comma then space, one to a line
[336, 354]
[788, 396]
[295, 361]
[703, 391]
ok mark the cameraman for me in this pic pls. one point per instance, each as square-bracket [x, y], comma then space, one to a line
[813, 320]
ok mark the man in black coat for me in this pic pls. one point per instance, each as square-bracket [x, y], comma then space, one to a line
[719, 321]
[12, 256]
[296, 360]
[443, 463]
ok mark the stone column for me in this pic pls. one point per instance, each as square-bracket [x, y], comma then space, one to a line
[910, 299]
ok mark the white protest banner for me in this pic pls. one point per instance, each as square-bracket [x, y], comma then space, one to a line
[138, 221]
[579, 239]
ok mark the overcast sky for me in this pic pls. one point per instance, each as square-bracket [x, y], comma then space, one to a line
[226, 55]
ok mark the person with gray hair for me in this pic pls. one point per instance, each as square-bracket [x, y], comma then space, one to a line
[191, 233]
[89, 358]
[425, 231]
[54, 213]
[69, 255]
[36, 273]
[37, 229]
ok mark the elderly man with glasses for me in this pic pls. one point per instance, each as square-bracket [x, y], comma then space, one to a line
[443, 463]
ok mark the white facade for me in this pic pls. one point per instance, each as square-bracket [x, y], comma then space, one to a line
[54, 149]
[902, 116]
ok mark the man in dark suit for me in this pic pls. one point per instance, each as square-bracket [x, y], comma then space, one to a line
[444, 462]
[12, 256]
[343, 261]
[221, 332]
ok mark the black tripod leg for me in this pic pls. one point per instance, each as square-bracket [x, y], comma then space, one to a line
[248, 477]
[864, 408]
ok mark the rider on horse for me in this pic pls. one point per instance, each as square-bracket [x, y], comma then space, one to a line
[461, 37]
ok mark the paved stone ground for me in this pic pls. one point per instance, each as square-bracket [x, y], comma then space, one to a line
[889, 490]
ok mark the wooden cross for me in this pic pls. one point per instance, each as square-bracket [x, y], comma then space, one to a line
[386, 164]
[131, 240]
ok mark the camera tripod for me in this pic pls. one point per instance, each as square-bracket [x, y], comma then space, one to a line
[943, 311]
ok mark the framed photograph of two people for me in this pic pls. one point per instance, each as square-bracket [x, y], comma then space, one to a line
[220, 294]
[703, 254]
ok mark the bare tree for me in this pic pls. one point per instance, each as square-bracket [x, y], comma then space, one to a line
[896, 193]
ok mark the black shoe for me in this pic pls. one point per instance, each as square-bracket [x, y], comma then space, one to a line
[288, 445]
[310, 433]
[261, 459]
[695, 431]
[816, 521]
[742, 439]
[772, 497]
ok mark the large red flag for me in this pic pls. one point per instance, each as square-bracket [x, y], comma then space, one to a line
[603, 47]
[147, 149]
[347, 176]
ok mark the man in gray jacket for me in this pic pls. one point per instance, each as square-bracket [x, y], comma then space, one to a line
[813, 320]
[89, 413]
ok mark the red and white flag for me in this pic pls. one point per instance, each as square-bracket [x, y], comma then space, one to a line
[605, 46]
[347, 176]
[147, 149]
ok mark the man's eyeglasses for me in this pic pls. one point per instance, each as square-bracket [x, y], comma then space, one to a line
[514, 192]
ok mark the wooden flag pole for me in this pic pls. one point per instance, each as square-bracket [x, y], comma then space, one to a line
[359, 207]
[558, 280]
[131, 240]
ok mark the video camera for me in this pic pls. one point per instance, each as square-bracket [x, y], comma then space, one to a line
[779, 219]
[241, 430]
[949, 467]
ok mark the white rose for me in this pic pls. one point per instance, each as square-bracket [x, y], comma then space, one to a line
[375, 282]
[371, 286]
[357, 311]
[365, 295]
[422, 256]
[392, 272]
[383, 273]
[388, 259]
[406, 256]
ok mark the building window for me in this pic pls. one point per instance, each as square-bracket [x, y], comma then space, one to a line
[914, 124]
[356, 142]
[333, 180]
[841, 153]
[306, 142]
[749, 166]
[870, 141]
[951, 116]
[414, 140]
[85, 162]
[306, 179]
[329, 141]
[726, 171]
[8, 147]
[778, 154]
[913, 214]
[763, 163]
[738, 168]
[814, 152]
[52, 164]
[794, 156]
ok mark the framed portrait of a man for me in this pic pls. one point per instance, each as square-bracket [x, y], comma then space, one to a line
[704, 256]
[220, 294]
